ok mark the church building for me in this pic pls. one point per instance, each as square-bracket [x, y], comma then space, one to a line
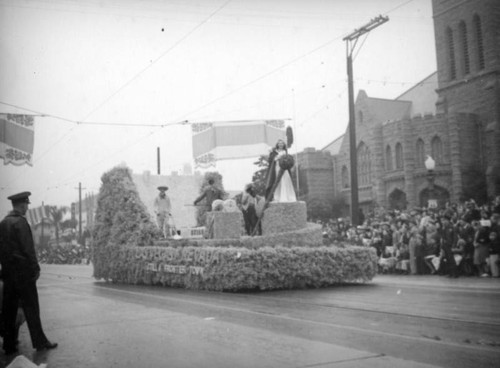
[450, 119]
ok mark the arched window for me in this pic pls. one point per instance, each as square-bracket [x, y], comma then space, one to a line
[345, 177]
[420, 159]
[437, 150]
[388, 158]
[451, 54]
[364, 164]
[399, 156]
[462, 33]
[479, 41]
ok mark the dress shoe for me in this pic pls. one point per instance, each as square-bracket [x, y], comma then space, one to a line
[47, 346]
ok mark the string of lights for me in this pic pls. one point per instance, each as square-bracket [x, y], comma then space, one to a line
[183, 120]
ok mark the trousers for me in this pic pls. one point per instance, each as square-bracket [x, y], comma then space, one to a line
[21, 289]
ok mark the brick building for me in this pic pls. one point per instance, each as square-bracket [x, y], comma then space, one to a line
[452, 115]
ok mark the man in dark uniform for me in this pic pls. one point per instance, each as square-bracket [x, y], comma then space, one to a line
[20, 271]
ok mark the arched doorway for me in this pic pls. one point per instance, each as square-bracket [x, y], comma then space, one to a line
[437, 195]
[397, 200]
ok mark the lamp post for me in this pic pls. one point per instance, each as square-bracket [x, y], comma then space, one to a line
[430, 165]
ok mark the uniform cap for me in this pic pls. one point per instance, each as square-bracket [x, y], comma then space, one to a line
[163, 187]
[22, 197]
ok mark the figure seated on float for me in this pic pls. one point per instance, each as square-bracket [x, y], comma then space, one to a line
[252, 206]
[224, 221]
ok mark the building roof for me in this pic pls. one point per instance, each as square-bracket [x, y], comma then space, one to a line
[423, 95]
[334, 147]
[384, 110]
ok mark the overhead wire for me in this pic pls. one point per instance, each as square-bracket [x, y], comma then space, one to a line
[267, 74]
[153, 62]
[275, 70]
[130, 81]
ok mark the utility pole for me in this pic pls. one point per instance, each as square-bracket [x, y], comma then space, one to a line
[80, 212]
[296, 148]
[43, 220]
[351, 41]
[158, 159]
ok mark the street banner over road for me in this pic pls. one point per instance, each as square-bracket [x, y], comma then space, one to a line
[17, 138]
[226, 140]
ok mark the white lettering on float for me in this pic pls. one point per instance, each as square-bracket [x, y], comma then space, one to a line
[181, 270]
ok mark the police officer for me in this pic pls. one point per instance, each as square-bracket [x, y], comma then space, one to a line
[20, 272]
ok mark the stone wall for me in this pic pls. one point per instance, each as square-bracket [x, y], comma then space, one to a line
[315, 174]
[478, 90]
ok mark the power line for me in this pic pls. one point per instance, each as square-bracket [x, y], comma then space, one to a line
[397, 7]
[77, 122]
[273, 71]
[137, 75]
[131, 80]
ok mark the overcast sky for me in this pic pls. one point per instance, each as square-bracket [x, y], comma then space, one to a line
[160, 62]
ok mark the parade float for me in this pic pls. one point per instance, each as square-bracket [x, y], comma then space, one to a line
[127, 248]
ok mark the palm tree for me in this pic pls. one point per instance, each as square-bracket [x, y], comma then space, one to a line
[56, 215]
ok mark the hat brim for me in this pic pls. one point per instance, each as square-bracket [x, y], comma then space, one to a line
[163, 188]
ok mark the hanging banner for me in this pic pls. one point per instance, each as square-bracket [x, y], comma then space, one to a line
[234, 139]
[17, 137]
[36, 215]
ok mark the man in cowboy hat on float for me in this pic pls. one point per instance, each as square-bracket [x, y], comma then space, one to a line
[162, 208]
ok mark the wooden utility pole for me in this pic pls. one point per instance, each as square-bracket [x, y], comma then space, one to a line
[351, 41]
[43, 220]
[80, 212]
[158, 159]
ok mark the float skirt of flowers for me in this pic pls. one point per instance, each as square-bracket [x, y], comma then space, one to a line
[233, 269]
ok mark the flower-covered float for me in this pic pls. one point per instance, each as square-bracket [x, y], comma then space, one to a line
[126, 248]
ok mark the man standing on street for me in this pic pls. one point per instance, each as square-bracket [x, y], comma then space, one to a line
[163, 209]
[20, 270]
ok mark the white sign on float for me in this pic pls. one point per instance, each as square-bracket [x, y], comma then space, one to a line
[181, 270]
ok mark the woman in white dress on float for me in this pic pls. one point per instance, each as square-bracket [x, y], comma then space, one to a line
[284, 191]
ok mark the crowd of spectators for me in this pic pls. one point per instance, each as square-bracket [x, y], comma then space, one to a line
[459, 239]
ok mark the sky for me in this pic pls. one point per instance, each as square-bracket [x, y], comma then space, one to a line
[109, 81]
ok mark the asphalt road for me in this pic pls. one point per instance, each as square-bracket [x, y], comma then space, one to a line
[394, 321]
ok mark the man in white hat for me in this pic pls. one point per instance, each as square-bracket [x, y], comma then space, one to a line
[163, 208]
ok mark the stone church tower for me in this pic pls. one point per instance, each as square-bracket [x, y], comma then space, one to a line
[468, 60]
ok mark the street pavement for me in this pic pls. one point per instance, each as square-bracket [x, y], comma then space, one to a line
[394, 321]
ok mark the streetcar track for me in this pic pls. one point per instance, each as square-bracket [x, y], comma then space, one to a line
[294, 300]
[260, 313]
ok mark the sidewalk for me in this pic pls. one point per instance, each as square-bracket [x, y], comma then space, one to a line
[435, 281]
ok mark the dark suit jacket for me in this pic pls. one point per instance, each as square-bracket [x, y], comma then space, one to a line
[17, 250]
